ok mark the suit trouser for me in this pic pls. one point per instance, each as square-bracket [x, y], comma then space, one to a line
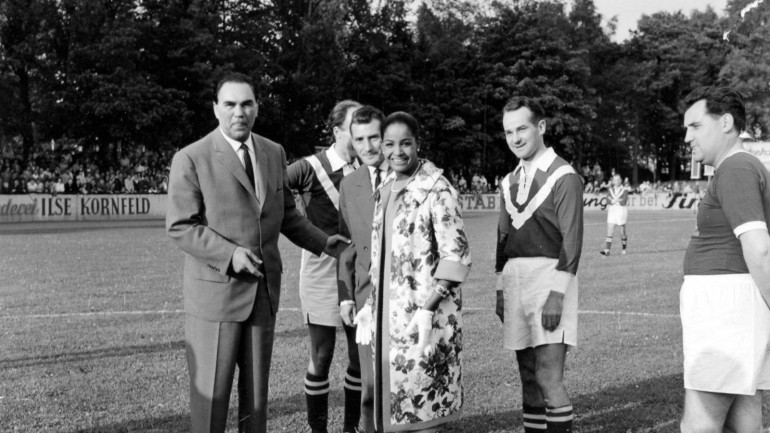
[213, 351]
[367, 387]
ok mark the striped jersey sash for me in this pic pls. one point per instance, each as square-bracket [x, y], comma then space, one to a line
[519, 218]
[326, 183]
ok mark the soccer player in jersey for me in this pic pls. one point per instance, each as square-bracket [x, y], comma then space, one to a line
[726, 291]
[539, 239]
[617, 214]
[317, 178]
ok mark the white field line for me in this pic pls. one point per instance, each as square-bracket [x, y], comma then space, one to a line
[632, 223]
[661, 426]
[590, 414]
[629, 313]
[606, 411]
[162, 312]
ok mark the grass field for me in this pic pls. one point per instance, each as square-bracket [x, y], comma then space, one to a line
[91, 333]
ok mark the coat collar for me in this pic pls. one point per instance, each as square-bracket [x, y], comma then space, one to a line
[422, 182]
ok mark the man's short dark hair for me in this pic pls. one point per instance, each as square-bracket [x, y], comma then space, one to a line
[340, 112]
[234, 77]
[719, 101]
[517, 102]
[405, 119]
[365, 115]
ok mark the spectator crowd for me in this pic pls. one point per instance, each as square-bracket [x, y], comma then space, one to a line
[73, 170]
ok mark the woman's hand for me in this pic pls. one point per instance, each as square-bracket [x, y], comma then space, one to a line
[363, 323]
[422, 322]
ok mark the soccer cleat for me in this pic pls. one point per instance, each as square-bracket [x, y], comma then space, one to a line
[604, 252]
[623, 252]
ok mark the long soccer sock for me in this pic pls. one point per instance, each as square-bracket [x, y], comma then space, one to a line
[534, 419]
[607, 243]
[624, 242]
[317, 398]
[559, 419]
[352, 399]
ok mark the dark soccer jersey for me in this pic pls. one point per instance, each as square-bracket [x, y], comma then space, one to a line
[552, 228]
[619, 194]
[320, 209]
[737, 199]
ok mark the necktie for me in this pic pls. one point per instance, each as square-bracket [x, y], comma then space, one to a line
[377, 178]
[247, 163]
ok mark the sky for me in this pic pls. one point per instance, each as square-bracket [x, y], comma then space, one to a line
[629, 11]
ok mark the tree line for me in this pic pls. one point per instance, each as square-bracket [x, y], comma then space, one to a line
[112, 74]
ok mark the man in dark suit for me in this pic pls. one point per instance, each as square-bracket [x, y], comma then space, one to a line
[227, 202]
[357, 212]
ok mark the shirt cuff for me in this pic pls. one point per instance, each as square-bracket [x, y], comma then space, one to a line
[561, 281]
[451, 270]
[347, 302]
[751, 225]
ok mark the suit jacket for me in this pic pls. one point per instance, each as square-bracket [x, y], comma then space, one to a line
[212, 208]
[357, 212]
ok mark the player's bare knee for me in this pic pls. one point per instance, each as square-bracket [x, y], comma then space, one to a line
[529, 383]
[528, 379]
[526, 359]
[322, 361]
[354, 364]
[549, 379]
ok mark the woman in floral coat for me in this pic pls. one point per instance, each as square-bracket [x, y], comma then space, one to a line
[419, 258]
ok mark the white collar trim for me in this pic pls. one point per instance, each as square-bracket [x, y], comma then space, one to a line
[335, 160]
[236, 145]
[542, 163]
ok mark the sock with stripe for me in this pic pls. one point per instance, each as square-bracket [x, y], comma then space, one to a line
[624, 242]
[317, 398]
[607, 243]
[559, 419]
[534, 419]
[352, 400]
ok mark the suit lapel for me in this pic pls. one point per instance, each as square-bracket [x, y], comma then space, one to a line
[262, 168]
[230, 160]
[364, 195]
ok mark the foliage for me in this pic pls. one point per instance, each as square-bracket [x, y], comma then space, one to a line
[119, 75]
[673, 54]
[747, 64]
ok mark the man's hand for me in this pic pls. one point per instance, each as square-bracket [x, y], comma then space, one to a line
[364, 327]
[335, 244]
[500, 304]
[348, 313]
[552, 310]
[245, 260]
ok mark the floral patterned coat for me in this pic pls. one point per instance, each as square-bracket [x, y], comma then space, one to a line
[428, 243]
